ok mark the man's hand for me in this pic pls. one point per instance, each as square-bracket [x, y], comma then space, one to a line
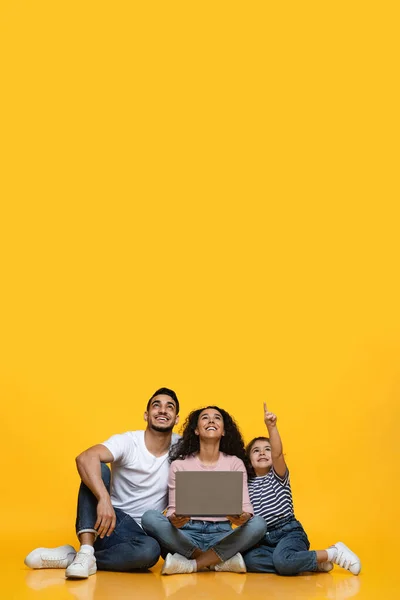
[239, 519]
[106, 518]
[178, 521]
[269, 418]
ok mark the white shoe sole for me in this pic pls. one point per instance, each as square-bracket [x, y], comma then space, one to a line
[72, 575]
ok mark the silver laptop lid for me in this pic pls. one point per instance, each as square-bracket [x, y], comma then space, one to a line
[209, 493]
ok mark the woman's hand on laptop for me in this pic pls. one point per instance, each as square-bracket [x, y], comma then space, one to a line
[178, 521]
[239, 519]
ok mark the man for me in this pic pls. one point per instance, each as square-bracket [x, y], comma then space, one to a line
[108, 516]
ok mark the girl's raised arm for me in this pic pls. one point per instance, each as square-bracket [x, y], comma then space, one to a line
[278, 460]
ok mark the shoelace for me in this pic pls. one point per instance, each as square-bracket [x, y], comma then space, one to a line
[81, 558]
[53, 563]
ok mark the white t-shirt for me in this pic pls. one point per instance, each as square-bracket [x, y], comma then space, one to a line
[139, 479]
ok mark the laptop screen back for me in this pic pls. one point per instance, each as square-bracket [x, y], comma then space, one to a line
[209, 493]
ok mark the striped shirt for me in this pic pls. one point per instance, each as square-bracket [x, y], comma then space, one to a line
[271, 497]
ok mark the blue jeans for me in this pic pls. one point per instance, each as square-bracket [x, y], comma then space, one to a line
[203, 535]
[283, 550]
[128, 548]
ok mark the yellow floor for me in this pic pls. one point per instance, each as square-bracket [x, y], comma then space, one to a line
[377, 580]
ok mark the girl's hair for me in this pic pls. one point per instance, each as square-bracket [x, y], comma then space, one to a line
[231, 442]
[250, 471]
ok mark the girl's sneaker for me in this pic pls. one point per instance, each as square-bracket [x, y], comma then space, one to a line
[346, 559]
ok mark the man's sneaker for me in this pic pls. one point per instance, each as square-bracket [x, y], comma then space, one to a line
[83, 565]
[50, 558]
[346, 559]
[176, 563]
[234, 564]
[325, 567]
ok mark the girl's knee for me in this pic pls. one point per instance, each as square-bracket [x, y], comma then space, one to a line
[258, 561]
[282, 565]
[252, 561]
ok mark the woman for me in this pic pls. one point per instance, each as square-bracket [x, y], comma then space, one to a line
[211, 441]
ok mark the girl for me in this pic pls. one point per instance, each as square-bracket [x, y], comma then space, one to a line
[285, 547]
[211, 441]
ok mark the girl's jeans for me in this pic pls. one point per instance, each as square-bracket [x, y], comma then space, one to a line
[283, 550]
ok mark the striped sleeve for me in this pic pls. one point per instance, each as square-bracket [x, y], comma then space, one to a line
[283, 480]
[271, 497]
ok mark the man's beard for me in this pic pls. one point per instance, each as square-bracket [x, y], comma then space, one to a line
[161, 428]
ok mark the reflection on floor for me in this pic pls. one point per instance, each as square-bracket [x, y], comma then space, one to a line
[197, 586]
[20, 583]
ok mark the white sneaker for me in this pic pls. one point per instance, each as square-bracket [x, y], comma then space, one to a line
[50, 558]
[235, 564]
[325, 567]
[346, 559]
[83, 565]
[176, 563]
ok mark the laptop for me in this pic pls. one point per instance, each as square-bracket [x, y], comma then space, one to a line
[208, 493]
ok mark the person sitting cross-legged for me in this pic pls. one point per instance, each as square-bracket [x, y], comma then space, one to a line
[211, 441]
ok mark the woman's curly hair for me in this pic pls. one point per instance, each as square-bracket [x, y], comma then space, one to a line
[231, 443]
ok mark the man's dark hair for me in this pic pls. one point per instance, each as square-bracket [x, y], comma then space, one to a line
[165, 392]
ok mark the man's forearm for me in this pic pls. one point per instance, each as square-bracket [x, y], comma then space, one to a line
[89, 469]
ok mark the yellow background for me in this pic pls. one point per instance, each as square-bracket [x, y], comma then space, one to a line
[201, 195]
